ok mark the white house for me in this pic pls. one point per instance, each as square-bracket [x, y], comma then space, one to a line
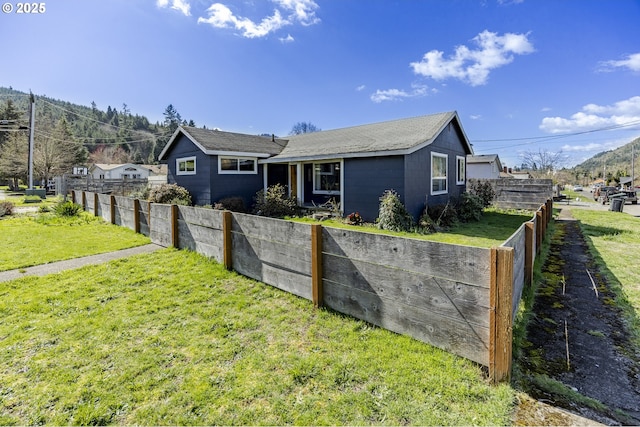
[119, 171]
[485, 166]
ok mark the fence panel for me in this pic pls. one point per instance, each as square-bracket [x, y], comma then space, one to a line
[105, 206]
[124, 212]
[144, 217]
[434, 292]
[160, 218]
[273, 251]
[200, 230]
[517, 242]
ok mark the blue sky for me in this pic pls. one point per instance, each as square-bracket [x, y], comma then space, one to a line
[524, 75]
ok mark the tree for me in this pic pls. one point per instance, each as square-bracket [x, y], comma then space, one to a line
[304, 127]
[57, 154]
[14, 156]
[110, 154]
[10, 114]
[542, 160]
[172, 118]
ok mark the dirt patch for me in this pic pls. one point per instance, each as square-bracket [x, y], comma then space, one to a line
[578, 354]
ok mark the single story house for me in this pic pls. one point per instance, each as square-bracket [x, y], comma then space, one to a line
[118, 171]
[422, 158]
[485, 166]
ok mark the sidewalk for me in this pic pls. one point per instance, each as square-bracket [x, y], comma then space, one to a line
[56, 267]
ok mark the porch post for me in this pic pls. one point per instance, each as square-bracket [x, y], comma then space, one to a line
[299, 183]
[265, 177]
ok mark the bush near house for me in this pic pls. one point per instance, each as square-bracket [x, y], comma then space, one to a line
[234, 204]
[393, 215]
[482, 189]
[170, 194]
[275, 203]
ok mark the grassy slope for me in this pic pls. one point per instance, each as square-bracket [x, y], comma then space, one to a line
[172, 338]
[42, 239]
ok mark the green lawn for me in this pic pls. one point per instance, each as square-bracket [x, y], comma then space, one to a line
[493, 229]
[44, 238]
[614, 238]
[171, 338]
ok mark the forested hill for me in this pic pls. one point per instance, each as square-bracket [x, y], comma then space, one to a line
[616, 162]
[114, 135]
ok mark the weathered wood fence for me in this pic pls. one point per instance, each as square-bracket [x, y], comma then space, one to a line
[459, 298]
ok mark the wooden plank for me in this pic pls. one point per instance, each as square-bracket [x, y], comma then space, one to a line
[96, 204]
[105, 206]
[501, 328]
[316, 265]
[276, 230]
[136, 215]
[529, 249]
[201, 216]
[288, 257]
[175, 240]
[112, 209]
[227, 242]
[464, 339]
[438, 295]
[464, 264]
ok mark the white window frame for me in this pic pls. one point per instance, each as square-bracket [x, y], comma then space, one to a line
[184, 160]
[445, 177]
[460, 180]
[237, 171]
[328, 192]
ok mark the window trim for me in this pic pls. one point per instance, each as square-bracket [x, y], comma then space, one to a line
[445, 177]
[460, 180]
[237, 171]
[186, 159]
[328, 192]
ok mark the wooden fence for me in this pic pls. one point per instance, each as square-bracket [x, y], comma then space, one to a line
[459, 298]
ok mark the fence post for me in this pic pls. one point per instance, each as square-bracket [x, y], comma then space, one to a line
[316, 265]
[73, 196]
[500, 317]
[112, 208]
[544, 221]
[538, 230]
[96, 201]
[174, 227]
[529, 255]
[84, 201]
[549, 210]
[226, 240]
[136, 215]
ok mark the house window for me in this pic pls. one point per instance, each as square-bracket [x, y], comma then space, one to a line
[439, 173]
[326, 178]
[237, 165]
[460, 170]
[186, 166]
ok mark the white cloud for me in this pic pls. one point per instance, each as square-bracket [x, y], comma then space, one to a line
[288, 13]
[398, 94]
[631, 62]
[288, 39]
[361, 88]
[475, 116]
[473, 66]
[180, 5]
[595, 116]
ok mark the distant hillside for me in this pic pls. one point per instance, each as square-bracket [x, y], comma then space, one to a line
[112, 135]
[616, 162]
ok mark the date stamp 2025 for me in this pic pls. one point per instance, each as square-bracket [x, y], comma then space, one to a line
[24, 8]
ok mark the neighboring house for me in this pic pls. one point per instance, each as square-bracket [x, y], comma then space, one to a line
[118, 171]
[422, 158]
[486, 166]
[520, 175]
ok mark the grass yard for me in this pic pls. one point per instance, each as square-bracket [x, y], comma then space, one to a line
[614, 238]
[44, 238]
[493, 229]
[171, 338]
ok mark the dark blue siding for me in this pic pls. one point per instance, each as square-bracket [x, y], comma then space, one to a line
[198, 184]
[235, 185]
[418, 171]
[366, 179]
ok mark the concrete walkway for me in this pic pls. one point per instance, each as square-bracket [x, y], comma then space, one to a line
[56, 267]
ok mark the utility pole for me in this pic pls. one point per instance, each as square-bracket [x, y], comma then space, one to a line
[32, 120]
[633, 162]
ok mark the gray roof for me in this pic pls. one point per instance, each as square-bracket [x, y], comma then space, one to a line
[220, 142]
[394, 137]
[483, 158]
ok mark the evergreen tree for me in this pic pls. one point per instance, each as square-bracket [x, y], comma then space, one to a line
[14, 158]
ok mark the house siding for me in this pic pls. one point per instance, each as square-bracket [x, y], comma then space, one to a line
[366, 179]
[198, 184]
[418, 171]
[235, 185]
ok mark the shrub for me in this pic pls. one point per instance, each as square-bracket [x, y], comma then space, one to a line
[392, 214]
[275, 203]
[426, 224]
[443, 215]
[482, 189]
[234, 204]
[470, 207]
[354, 218]
[170, 194]
[6, 208]
[67, 208]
